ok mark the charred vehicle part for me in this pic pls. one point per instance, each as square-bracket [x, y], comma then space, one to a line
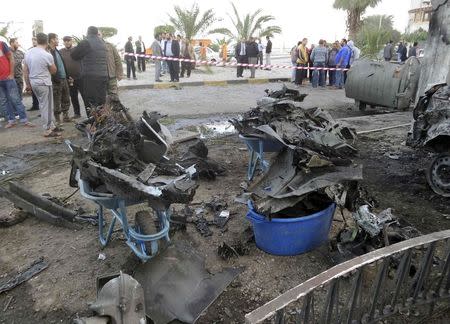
[125, 164]
[383, 84]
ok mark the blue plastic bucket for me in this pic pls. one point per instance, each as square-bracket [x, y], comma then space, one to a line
[291, 236]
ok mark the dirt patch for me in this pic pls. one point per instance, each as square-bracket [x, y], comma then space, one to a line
[393, 173]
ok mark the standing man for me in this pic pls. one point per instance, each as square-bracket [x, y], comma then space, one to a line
[252, 53]
[260, 53]
[187, 52]
[130, 58]
[61, 96]
[140, 49]
[94, 70]
[38, 67]
[319, 57]
[157, 51]
[115, 69]
[413, 50]
[18, 58]
[268, 51]
[224, 51]
[172, 50]
[164, 66]
[388, 51]
[342, 61]
[10, 100]
[35, 105]
[302, 61]
[241, 57]
[402, 52]
[331, 63]
[73, 70]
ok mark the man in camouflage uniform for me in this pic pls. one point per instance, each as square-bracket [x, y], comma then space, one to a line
[115, 68]
[18, 58]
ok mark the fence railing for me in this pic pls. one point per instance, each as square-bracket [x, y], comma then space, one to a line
[410, 278]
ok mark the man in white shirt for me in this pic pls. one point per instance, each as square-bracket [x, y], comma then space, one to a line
[260, 53]
[38, 67]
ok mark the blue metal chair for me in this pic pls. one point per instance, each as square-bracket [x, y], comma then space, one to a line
[118, 207]
[256, 147]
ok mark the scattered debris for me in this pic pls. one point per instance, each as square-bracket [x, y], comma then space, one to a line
[197, 154]
[33, 269]
[101, 256]
[16, 216]
[39, 206]
[316, 151]
[238, 248]
[120, 300]
[177, 285]
[371, 223]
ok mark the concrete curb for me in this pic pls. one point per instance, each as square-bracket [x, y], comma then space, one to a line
[167, 85]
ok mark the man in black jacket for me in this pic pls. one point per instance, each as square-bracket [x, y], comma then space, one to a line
[172, 49]
[61, 96]
[94, 71]
[252, 53]
[129, 59]
[140, 49]
[241, 57]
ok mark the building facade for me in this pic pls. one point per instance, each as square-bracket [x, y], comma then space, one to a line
[419, 15]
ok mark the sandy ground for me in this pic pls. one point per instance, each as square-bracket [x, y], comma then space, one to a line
[63, 290]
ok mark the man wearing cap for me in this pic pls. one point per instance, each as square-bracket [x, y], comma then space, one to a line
[92, 54]
[73, 70]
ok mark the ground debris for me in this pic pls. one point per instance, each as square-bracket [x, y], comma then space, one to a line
[33, 269]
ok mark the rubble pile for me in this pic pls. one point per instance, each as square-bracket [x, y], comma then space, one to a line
[313, 168]
[127, 158]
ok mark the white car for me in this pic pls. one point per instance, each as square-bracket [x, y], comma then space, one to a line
[211, 55]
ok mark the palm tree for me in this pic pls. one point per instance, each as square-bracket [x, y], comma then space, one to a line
[217, 44]
[375, 32]
[4, 30]
[248, 25]
[190, 22]
[355, 9]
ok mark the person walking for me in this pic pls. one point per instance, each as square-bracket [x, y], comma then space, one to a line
[39, 65]
[342, 61]
[10, 100]
[73, 70]
[130, 59]
[61, 96]
[252, 53]
[413, 50]
[157, 51]
[302, 62]
[94, 70]
[319, 57]
[187, 52]
[172, 50]
[260, 60]
[388, 51]
[241, 57]
[331, 63]
[268, 52]
[115, 69]
[140, 50]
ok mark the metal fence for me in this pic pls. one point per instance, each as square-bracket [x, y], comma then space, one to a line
[410, 279]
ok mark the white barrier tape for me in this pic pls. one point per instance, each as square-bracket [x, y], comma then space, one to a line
[233, 64]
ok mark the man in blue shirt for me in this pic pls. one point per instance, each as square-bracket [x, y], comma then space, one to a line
[342, 61]
[61, 92]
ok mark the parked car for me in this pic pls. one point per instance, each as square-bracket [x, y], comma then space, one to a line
[211, 55]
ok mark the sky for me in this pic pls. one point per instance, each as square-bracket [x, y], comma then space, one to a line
[301, 18]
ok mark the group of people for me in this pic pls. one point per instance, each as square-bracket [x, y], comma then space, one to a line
[251, 52]
[338, 55]
[55, 77]
[167, 45]
[401, 54]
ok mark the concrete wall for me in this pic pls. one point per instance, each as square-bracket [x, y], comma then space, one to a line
[436, 62]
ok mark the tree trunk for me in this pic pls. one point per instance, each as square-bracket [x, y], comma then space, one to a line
[353, 23]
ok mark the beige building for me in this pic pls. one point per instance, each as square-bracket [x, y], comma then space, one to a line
[419, 15]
